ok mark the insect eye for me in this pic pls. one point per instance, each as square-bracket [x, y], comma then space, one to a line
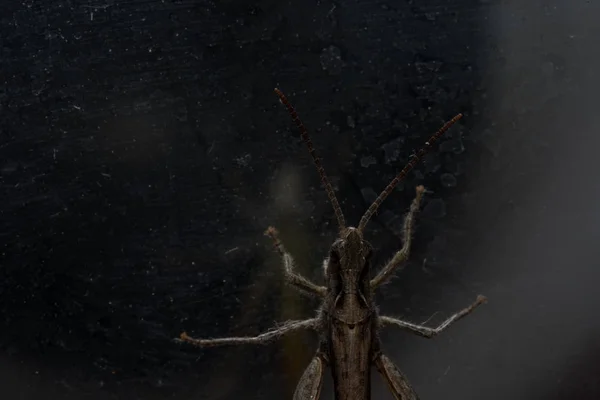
[367, 251]
[335, 254]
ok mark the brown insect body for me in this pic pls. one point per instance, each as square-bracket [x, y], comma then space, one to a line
[348, 321]
[350, 314]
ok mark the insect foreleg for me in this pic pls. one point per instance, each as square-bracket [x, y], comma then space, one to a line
[402, 254]
[296, 280]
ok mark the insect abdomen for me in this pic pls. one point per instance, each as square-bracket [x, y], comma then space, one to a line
[351, 351]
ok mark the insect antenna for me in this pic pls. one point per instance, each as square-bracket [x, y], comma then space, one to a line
[324, 180]
[413, 161]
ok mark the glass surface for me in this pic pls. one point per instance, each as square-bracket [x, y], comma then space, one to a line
[143, 154]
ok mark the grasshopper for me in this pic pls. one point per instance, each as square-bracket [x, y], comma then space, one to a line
[348, 321]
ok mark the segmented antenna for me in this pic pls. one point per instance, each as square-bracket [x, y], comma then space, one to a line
[414, 160]
[324, 180]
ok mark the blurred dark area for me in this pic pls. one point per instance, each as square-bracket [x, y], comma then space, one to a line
[143, 154]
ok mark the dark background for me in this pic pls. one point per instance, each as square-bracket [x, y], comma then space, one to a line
[143, 153]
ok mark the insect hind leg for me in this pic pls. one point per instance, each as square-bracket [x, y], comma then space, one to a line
[309, 386]
[397, 382]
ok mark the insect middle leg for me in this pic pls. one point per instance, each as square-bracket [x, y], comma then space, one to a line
[263, 338]
[296, 280]
[431, 332]
[402, 254]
